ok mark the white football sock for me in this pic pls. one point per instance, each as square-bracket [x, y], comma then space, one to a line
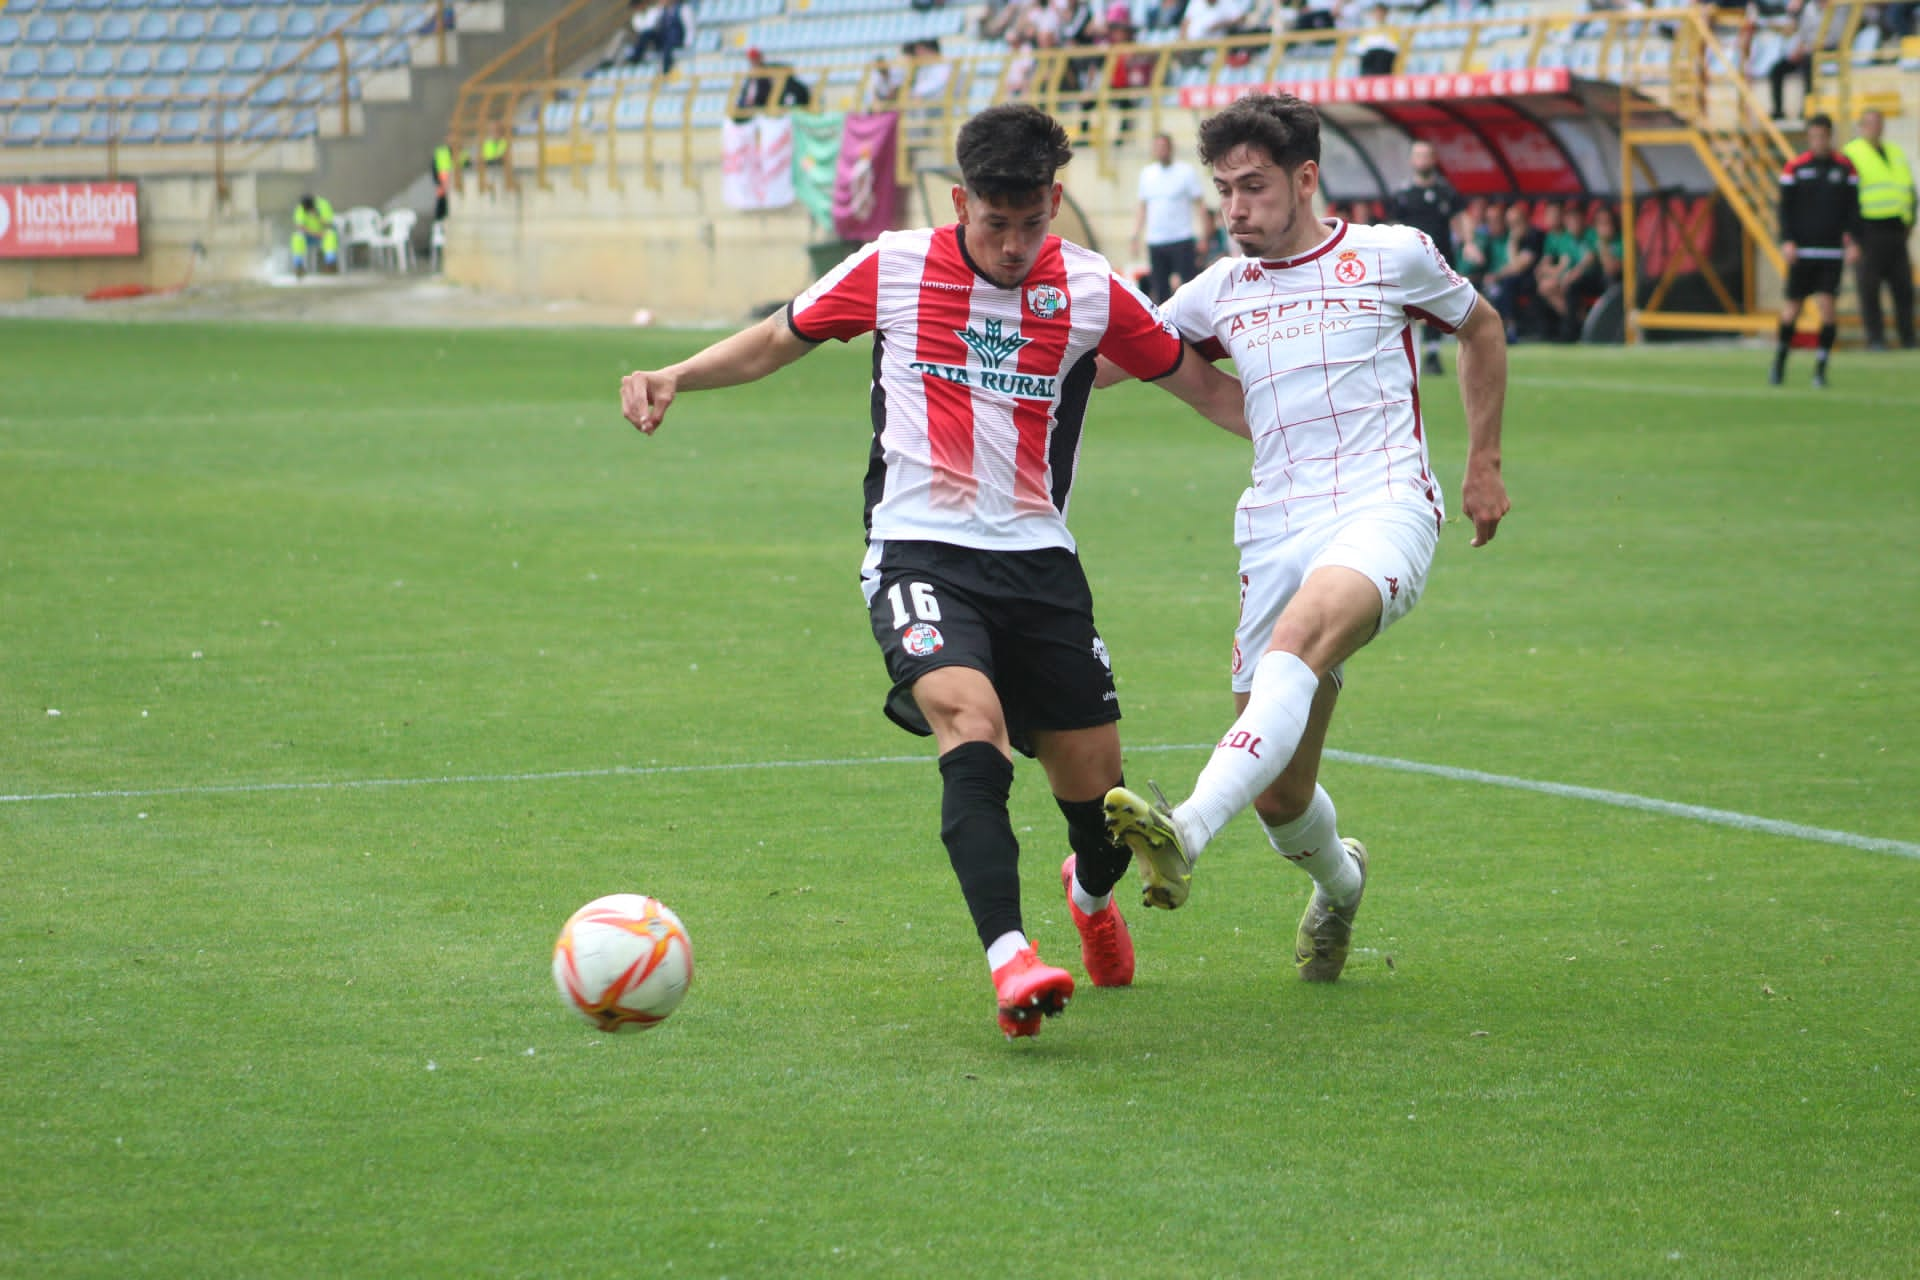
[1311, 843]
[1086, 901]
[1254, 752]
[1004, 948]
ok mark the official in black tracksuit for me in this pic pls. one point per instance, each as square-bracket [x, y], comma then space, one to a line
[1428, 204]
[1819, 229]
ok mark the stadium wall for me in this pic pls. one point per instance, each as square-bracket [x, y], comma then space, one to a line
[682, 253]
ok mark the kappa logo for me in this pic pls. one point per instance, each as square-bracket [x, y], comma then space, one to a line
[1349, 269]
[1393, 588]
[1100, 652]
[923, 640]
[1252, 274]
[1045, 301]
[993, 346]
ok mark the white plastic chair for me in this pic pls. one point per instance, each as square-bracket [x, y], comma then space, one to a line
[396, 238]
[359, 225]
[438, 241]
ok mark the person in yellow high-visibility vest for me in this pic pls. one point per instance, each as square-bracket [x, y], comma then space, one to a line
[1886, 220]
[313, 226]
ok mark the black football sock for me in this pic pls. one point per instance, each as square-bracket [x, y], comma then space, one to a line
[1827, 334]
[979, 836]
[1098, 861]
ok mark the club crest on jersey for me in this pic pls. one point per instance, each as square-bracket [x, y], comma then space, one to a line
[923, 640]
[1045, 301]
[1349, 269]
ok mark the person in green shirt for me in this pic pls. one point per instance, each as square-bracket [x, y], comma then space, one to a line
[313, 229]
[1571, 250]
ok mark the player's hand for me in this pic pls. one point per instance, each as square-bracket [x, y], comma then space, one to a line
[644, 397]
[1484, 498]
[1791, 252]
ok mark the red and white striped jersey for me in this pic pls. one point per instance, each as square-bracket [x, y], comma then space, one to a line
[1325, 347]
[979, 392]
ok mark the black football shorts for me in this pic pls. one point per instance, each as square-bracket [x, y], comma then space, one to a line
[1024, 619]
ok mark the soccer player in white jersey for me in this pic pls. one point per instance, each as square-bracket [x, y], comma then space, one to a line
[1339, 526]
[987, 333]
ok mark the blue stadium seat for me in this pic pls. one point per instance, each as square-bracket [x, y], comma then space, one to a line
[272, 93]
[249, 59]
[210, 59]
[41, 29]
[224, 124]
[99, 128]
[115, 28]
[283, 53]
[66, 127]
[309, 89]
[263, 25]
[164, 4]
[45, 90]
[96, 62]
[82, 90]
[199, 4]
[194, 89]
[24, 63]
[141, 126]
[135, 60]
[305, 124]
[374, 22]
[233, 86]
[131, 4]
[172, 59]
[182, 126]
[77, 29]
[190, 26]
[152, 28]
[226, 26]
[47, 6]
[59, 62]
[26, 128]
[299, 26]
[122, 88]
[264, 125]
[158, 87]
[324, 58]
[94, 6]
[9, 31]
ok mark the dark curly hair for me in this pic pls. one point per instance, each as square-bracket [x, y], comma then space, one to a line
[1011, 151]
[1281, 125]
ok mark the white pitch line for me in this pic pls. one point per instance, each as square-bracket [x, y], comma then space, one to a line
[1561, 790]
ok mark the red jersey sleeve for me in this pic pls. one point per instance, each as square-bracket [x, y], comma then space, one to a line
[841, 304]
[1138, 339]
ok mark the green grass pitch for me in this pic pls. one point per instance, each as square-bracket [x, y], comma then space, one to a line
[255, 1026]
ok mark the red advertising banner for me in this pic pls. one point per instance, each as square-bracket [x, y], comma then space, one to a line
[1478, 84]
[69, 220]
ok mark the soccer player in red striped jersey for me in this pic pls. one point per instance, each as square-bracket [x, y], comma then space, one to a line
[986, 337]
[1338, 529]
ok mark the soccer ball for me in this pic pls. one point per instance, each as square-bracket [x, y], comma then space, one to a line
[623, 962]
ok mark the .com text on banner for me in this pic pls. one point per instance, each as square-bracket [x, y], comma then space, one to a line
[69, 220]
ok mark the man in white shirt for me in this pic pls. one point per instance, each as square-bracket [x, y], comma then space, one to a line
[1170, 201]
[1338, 529]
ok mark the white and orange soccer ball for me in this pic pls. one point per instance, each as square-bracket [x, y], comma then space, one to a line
[623, 962]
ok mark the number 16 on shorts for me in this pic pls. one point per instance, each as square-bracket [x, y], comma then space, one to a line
[921, 638]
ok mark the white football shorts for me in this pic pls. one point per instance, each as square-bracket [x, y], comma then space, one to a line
[1390, 542]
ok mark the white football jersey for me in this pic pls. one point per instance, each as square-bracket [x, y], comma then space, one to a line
[1325, 348]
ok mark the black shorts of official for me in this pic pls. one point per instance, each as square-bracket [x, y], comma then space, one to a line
[1024, 619]
[1808, 276]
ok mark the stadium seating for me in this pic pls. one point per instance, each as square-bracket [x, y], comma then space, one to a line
[84, 59]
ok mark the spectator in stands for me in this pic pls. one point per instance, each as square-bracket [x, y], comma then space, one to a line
[676, 31]
[1510, 267]
[1166, 15]
[1378, 44]
[884, 82]
[1131, 71]
[1803, 19]
[930, 73]
[1212, 19]
[1023, 65]
[757, 88]
[643, 21]
[313, 230]
[1317, 15]
[1170, 201]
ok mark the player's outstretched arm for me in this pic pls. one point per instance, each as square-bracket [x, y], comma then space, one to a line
[1483, 392]
[747, 356]
[1216, 396]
